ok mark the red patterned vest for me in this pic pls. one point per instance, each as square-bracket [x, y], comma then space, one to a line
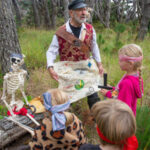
[72, 48]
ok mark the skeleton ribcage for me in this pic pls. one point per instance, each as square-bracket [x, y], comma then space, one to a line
[15, 82]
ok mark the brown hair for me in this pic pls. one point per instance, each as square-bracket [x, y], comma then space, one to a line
[59, 97]
[133, 50]
[114, 119]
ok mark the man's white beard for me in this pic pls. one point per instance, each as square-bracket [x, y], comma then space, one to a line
[78, 20]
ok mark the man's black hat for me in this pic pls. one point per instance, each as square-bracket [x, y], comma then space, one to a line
[76, 4]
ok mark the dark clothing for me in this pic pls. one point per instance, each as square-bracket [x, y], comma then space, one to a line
[23, 147]
[89, 147]
[75, 30]
[76, 4]
[92, 99]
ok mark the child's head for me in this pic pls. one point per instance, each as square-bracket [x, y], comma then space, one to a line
[56, 102]
[58, 96]
[115, 120]
[132, 54]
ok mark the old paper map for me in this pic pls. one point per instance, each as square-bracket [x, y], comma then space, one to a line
[78, 79]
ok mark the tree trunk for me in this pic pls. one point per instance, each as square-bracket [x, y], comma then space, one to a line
[145, 20]
[66, 12]
[44, 13]
[131, 12]
[107, 12]
[103, 8]
[47, 16]
[8, 35]
[17, 10]
[36, 13]
[98, 11]
[118, 9]
[54, 13]
[91, 4]
[139, 11]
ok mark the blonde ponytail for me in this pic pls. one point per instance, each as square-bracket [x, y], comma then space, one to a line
[69, 118]
[140, 82]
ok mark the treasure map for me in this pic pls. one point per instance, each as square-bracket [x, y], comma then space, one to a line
[78, 79]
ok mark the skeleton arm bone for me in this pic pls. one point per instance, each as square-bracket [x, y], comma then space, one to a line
[4, 89]
[4, 94]
[9, 108]
[24, 96]
[33, 119]
[29, 129]
[24, 72]
[8, 75]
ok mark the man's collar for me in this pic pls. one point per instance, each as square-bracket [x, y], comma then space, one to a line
[68, 29]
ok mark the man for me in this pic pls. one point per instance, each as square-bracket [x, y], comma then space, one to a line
[74, 41]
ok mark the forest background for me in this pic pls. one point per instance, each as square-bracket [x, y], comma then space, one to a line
[27, 26]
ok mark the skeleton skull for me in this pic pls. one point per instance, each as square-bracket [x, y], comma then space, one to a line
[16, 60]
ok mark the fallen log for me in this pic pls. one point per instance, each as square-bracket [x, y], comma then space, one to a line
[9, 131]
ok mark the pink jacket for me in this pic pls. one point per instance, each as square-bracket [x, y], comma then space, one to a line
[128, 91]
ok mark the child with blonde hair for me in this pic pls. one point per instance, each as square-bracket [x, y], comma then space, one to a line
[116, 126]
[130, 87]
[60, 130]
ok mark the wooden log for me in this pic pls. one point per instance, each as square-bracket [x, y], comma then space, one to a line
[10, 131]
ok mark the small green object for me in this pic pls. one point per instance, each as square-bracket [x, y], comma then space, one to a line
[79, 85]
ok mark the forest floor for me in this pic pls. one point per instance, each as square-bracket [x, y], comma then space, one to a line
[39, 81]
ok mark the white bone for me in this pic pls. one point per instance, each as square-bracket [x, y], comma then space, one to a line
[13, 81]
[29, 129]
[33, 120]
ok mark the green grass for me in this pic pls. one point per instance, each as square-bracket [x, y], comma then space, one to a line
[29, 98]
[3, 111]
[143, 127]
[34, 44]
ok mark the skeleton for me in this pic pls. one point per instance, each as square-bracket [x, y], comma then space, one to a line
[13, 81]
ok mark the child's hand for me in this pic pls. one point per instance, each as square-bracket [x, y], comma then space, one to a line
[103, 91]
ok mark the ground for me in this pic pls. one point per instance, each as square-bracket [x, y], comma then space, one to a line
[38, 82]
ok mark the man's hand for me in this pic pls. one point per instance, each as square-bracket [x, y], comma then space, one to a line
[52, 73]
[100, 68]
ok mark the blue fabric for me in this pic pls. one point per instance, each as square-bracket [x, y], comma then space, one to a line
[47, 101]
[16, 55]
[58, 117]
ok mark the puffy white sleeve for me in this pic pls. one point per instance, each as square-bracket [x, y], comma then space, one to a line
[95, 50]
[52, 51]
